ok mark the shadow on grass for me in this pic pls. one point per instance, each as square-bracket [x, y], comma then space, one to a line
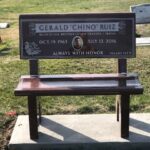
[5, 48]
[4, 51]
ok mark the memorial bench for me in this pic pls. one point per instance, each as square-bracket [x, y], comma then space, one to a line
[70, 36]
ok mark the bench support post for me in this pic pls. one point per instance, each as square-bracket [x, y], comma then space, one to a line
[122, 68]
[32, 103]
[33, 122]
[124, 106]
[117, 106]
[124, 101]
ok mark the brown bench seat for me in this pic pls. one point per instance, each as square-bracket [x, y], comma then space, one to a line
[78, 84]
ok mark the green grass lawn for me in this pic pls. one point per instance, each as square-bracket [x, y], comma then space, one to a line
[11, 67]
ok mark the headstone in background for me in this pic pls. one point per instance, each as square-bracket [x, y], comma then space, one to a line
[142, 12]
[4, 25]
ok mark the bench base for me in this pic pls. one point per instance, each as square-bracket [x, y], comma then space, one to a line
[83, 131]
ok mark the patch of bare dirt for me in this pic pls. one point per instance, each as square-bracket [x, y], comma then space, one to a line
[5, 133]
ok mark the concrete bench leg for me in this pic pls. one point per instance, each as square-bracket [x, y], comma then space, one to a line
[33, 122]
[124, 105]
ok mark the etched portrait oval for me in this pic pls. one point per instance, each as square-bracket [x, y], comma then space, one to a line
[77, 43]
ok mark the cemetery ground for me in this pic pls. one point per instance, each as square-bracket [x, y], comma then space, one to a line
[11, 67]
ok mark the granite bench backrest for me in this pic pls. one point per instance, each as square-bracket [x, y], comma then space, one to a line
[55, 36]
